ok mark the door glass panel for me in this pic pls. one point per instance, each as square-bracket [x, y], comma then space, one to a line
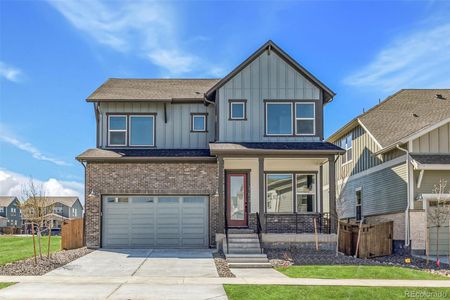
[237, 197]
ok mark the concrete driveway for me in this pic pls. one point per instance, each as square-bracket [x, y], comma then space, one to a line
[122, 266]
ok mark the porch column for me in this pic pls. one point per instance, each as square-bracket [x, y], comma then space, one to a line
[332, 192]
[261, 193]
[221, 220]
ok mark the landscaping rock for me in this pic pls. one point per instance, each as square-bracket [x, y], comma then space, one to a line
[44, 265]
[221, 265]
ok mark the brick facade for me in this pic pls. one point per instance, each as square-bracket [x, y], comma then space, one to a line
[193, 178]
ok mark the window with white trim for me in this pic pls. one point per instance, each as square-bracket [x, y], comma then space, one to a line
[198, 122]
[358, 202]
[306, 192]
[237, 110]
[279, 118]
[117, 130]
[305, 119]
[142, 129]
[347, 144]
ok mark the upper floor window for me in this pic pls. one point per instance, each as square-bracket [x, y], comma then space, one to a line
[142, 130]
[132, 130]
[279, 118]
[237, 110]
[198, 122]
[347, 145]
[1, 209]
[117, 130]
[305, 118]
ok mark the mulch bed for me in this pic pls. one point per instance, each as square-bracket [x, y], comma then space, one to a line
[221, 265]
[44, 265]
[288, 257]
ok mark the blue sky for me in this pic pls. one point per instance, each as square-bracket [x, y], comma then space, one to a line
[53, 54]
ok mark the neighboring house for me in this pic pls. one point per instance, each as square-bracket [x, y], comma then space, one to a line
[62, 208]
[10, 215]
[395, 153]
[180, 161]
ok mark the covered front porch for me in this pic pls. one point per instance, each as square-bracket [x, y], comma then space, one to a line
[275, 191]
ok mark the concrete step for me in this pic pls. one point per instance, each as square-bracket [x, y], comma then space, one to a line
[243, 236]
[261, 255]
[244, 244]
[243, 239]
[239, 230]
[250, 265]
[244, 259]
[244, 251]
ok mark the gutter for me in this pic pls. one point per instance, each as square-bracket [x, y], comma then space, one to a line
[408, 183]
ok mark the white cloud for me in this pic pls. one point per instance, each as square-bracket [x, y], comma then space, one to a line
[12, 184]
[9, 72]
[421, 60]
[145, 28]
[27, 147]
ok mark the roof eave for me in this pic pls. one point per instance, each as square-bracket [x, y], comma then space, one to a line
[168, 159]
[273, 152]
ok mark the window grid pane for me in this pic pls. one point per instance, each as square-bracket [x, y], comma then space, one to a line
[279, 118]
[305, 118]
[237, 110]
[279, 189]
[141, 130]
[198, 123]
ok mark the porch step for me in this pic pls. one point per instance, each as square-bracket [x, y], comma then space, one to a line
[240, 230]
[250, 265]
[242, 236]
[239, 245]
[243, 240]
[246, 258]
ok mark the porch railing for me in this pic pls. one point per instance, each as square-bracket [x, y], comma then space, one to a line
[298, 223]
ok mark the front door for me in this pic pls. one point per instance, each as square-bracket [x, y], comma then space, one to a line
[237, 199]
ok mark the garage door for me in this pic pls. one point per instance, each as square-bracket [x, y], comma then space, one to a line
[155, 222]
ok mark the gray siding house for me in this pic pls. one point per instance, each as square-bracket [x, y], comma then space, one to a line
[185, 162]
[10, 215]
[396, 153]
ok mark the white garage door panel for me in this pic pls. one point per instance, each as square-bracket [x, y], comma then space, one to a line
[155, 221]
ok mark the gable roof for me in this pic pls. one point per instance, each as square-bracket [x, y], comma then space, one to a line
[6, 200]
[401, 115]
[271, 46]
[65, 200]
[163, 90]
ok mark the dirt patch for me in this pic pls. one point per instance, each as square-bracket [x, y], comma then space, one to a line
[293, 256]
[44, 265]
[221, 265]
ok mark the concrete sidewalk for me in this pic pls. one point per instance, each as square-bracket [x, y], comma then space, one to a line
[219, 281]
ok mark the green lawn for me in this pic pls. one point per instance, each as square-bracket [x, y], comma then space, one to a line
[13, 248]
[275, 292]
[5, 284]
[357, 272]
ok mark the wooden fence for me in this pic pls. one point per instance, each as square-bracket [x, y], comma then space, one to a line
[72, 234]
[375, 240]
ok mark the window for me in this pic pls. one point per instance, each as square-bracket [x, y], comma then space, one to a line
[305, 118]
[238, 109]
[198, 122]
[1, 209]
[358, 204]
[117, 130]
[278, 118]
[57, 209]
[142, 130]
[346, 144]
[306, 192]
[279, 193]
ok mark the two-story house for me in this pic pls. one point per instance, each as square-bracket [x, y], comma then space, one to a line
[396, 153]
[181, 162]
[58, 209]
[10, 215]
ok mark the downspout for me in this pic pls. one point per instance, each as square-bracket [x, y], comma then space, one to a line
[408, 183]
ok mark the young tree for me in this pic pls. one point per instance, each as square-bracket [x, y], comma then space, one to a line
[439, 210]
[35, 208]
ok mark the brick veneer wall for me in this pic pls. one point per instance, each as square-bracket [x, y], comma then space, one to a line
[196, 178]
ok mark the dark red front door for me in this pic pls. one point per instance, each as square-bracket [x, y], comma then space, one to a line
[237, 199]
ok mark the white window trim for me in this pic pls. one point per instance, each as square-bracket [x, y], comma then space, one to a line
[244, 112]
[267, 190]
[359, 189]
[203, 116]
[153, 132]
[117, 130]
[346, 149]
[267, 123]
[313, 118]
[315, 193]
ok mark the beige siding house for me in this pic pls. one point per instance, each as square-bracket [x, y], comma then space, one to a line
[396, 153]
